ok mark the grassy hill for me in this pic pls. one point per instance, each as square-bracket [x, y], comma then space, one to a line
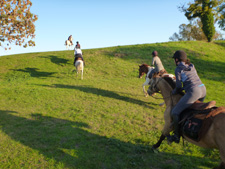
[49, 118]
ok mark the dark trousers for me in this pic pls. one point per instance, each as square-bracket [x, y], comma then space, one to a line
[78, 56]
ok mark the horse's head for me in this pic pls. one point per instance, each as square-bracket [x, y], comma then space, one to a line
[168, 82]
[142, 70]
[153, 84]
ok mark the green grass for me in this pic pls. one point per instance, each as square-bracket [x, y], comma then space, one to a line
[49, 118]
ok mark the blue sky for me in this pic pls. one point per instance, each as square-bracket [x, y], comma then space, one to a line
[102, 23]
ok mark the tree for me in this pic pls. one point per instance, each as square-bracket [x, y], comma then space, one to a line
[207, 11]
[16, 23]
[221, 19]
[192, 31]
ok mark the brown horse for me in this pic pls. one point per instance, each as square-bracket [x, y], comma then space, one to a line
[214, 136]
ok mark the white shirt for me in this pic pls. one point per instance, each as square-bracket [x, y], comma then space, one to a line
[77, 51]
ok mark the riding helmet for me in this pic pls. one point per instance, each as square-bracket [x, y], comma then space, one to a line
[180, 55]
[155, 53]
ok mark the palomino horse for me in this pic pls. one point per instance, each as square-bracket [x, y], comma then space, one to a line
[79, 64]
[68, 44]
[214, 137]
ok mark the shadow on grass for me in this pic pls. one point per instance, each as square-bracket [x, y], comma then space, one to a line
[57, 60]
[70, 144]
[104, 93]
[221, 43]
[34, 72]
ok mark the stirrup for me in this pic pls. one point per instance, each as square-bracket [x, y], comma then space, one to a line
[173, 138]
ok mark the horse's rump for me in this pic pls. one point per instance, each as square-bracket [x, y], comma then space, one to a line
[196, 126]
[79, 62]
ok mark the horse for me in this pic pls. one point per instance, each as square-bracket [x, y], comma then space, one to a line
[79, 64]
[145, 69]
[214, 137]
[68, 44]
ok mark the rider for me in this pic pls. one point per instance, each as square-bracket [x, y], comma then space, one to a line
[77, 45]
[157, 63]
[78, 53]
[186, 79]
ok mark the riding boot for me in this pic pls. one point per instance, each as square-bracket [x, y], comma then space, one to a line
[176, 136]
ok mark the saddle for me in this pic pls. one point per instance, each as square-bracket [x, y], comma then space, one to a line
[196, 120]
[162, 72]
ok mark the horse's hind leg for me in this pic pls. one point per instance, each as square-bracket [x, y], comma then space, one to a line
[221, 166]
[77, 71]
[82, 74]
[222, 156]
[218, 124]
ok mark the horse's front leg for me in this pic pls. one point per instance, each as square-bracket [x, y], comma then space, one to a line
[166, 129]
[143, 86]
[82, 72]
[162, 137]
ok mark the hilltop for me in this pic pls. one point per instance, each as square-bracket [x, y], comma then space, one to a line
[51, 118]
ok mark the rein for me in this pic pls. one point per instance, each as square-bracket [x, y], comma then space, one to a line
[170, 96]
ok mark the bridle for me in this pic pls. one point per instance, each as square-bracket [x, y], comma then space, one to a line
[155, 89]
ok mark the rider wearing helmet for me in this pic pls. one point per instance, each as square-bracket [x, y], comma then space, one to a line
[157, 63]
[78, 53]
[186, 79]
[77, 45]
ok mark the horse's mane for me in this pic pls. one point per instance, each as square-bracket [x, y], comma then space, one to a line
[171, 82]
[144, 64]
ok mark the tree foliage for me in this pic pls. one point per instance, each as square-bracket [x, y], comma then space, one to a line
[221, 20]
[192, 31]
[16, 23]
[207, 11]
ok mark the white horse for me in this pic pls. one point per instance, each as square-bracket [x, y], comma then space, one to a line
[144, 68]
[68, 44]
[79, 64]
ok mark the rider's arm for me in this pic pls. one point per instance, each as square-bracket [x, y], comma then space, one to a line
[178, 87]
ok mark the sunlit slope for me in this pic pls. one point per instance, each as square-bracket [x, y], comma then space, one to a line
[50, 118]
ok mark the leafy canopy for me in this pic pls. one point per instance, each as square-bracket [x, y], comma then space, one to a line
[192, 31]
[207, 11]
[16, 23]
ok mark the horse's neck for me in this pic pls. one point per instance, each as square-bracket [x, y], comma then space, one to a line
[166, 90]
[149, 69]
